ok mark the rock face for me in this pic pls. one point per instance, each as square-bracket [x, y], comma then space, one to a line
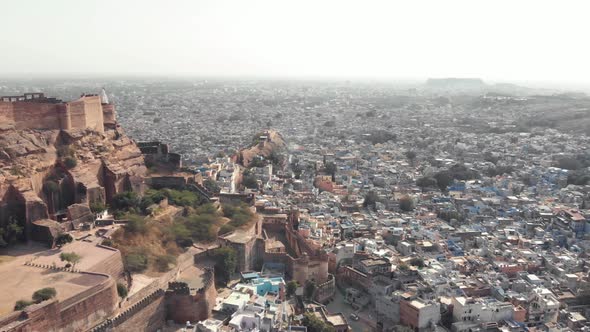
[264, 146]
[44, 171]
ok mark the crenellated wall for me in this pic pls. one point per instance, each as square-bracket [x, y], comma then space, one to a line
[148, 314]
[182, 306]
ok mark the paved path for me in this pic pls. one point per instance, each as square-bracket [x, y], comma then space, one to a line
[338, 305]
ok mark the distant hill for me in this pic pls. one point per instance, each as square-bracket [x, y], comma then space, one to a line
[454, 83]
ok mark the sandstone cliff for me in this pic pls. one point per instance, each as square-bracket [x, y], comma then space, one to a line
[42, 172]
[268, 145]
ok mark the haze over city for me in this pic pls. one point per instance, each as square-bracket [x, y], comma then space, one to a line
[294, 166]
[516, 41]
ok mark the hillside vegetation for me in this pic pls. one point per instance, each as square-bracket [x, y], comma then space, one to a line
[152, 243]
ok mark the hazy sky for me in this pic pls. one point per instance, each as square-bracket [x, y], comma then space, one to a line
[515, 40]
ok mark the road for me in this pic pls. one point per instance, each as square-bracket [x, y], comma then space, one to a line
[338, 305]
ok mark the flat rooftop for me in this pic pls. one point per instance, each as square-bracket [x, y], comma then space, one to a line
[238, 236]
[19, 282]
[193, 277]
[91, 255]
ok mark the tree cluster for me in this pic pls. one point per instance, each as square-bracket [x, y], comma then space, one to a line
[39, 296]
[314, 324]
[225, 264]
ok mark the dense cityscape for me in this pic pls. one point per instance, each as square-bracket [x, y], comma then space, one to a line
[276, 205]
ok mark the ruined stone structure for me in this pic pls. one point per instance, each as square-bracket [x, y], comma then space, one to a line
[54, 154]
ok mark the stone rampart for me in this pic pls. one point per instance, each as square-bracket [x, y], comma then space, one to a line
[183, 306]
[46, 113]
[76, 313]
[146, 315]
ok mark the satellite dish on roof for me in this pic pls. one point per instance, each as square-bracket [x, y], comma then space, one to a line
[103, 97]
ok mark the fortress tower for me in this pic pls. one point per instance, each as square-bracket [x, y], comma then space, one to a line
[35, 111]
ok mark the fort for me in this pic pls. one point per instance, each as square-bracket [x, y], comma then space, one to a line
[35, 111]
[54, 154]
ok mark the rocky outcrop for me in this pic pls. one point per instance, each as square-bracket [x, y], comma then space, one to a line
[265, 146]
[43, 172]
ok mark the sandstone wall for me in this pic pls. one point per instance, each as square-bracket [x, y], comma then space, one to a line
[109, 114]
[93, 307]
[185, 307]
[77, 313]
[86, 112]
[36, 115]
[77, 114]
[6, 114]
[151, 318]
[93, 111]
[112, 266]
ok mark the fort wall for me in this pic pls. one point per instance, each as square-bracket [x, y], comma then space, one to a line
[51, 114]
[6, 114]
[109, 115]
[28, 115]
[112, 266]
[73, 314]
[150, 318]
[146, 315]
[183, 306]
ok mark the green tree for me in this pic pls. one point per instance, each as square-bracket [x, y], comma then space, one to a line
[122, 290]
[370, 199]
[411, 155]
[136, 262]
[211, 186]
[11, 232]
[426, 182]
[63, 238]
[163, 262]
[418, 261]
[443, 180]
[70, 257]
[314, 324]
[125, 201]
[569, 163]
[406, 203]
[21, 304]
[291, 288]
[70, 162]
[136, 224]
[97, 207]
[309, 290]
[225, 263]
[249, 180]
[330, 169]
[44, 294]
[224, 229]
